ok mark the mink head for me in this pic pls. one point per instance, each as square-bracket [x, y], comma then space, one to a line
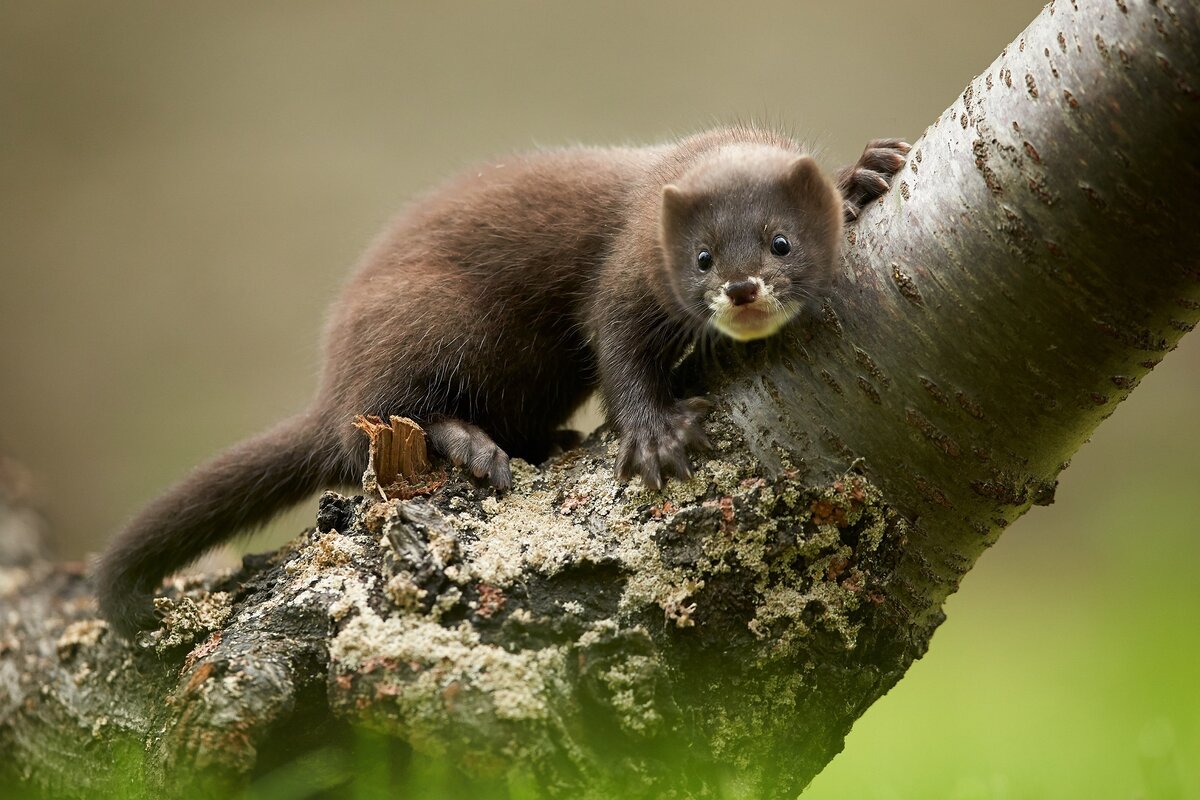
[750, 234]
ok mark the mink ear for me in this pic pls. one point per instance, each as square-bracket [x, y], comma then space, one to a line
[677, 206]
[676, 203]
[809, 186]
[804, 178]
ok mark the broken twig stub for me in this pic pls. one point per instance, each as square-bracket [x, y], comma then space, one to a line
[398, 465]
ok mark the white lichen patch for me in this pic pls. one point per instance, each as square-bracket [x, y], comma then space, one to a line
[782, 608]
[404, 592]
[332, 550]
[326, 566]
[746, 545]
[523, 472]
[351, 600]
[650, 582]
[185, 618]
[79, 635]
[527, 532]
[870, 536]
[446, 601]
[598, 632]
[425, 659]
[98, 725]
[673, 601]
[631, 683]
[824, 538]
[677, 491]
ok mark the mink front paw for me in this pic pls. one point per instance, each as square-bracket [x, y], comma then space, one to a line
[657, 447]
[871, 175]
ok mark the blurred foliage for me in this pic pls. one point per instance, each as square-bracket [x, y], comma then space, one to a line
[183, 187]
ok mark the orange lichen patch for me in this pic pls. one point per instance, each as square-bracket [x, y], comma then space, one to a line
[198, 678]
[376, 516]
[824, 512]
[572, 503]
[727, 513]
[854, 489]
[491, 600]
[725, 504]
[840, 506]
[837, 565]
[200, 651]
[660, 511]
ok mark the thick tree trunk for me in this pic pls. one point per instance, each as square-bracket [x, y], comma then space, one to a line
[1035, 258]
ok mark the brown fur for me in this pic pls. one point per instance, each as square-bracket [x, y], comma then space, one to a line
[488, 312]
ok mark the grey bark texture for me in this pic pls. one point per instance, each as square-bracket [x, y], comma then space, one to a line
[1035, 258]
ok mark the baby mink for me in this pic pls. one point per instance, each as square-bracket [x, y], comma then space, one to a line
[490, 310]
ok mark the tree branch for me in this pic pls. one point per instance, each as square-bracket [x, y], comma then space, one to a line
[1033, 261]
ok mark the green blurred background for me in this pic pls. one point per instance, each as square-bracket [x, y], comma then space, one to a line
[183, 187]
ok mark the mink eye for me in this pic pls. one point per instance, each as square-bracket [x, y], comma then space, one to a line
[704, 261]
[780, 246]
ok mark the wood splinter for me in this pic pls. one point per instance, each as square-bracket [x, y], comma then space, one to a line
[397, 453]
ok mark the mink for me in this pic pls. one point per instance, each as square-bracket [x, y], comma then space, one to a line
[493, 307]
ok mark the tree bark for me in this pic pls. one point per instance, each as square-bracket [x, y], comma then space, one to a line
[1035, 258]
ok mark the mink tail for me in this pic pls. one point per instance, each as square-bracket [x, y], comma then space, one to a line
[242, 488]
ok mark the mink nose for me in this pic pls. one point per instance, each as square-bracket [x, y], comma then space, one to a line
[742, 292]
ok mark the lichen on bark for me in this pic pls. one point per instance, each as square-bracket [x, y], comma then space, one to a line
[526, 666]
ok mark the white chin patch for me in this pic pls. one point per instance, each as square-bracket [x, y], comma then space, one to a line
[745, 331]
[758, 320]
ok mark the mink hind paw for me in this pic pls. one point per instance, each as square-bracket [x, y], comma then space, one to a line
[871, 175]
[657, 447]
[467, 446]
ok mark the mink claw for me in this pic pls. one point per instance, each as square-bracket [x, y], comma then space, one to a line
[650, 470]
[889, 144]
[872, 182]
[639, 457]
[500, 476]
[491, 463]
[653, 480]
[675, 460]
[625, 462]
